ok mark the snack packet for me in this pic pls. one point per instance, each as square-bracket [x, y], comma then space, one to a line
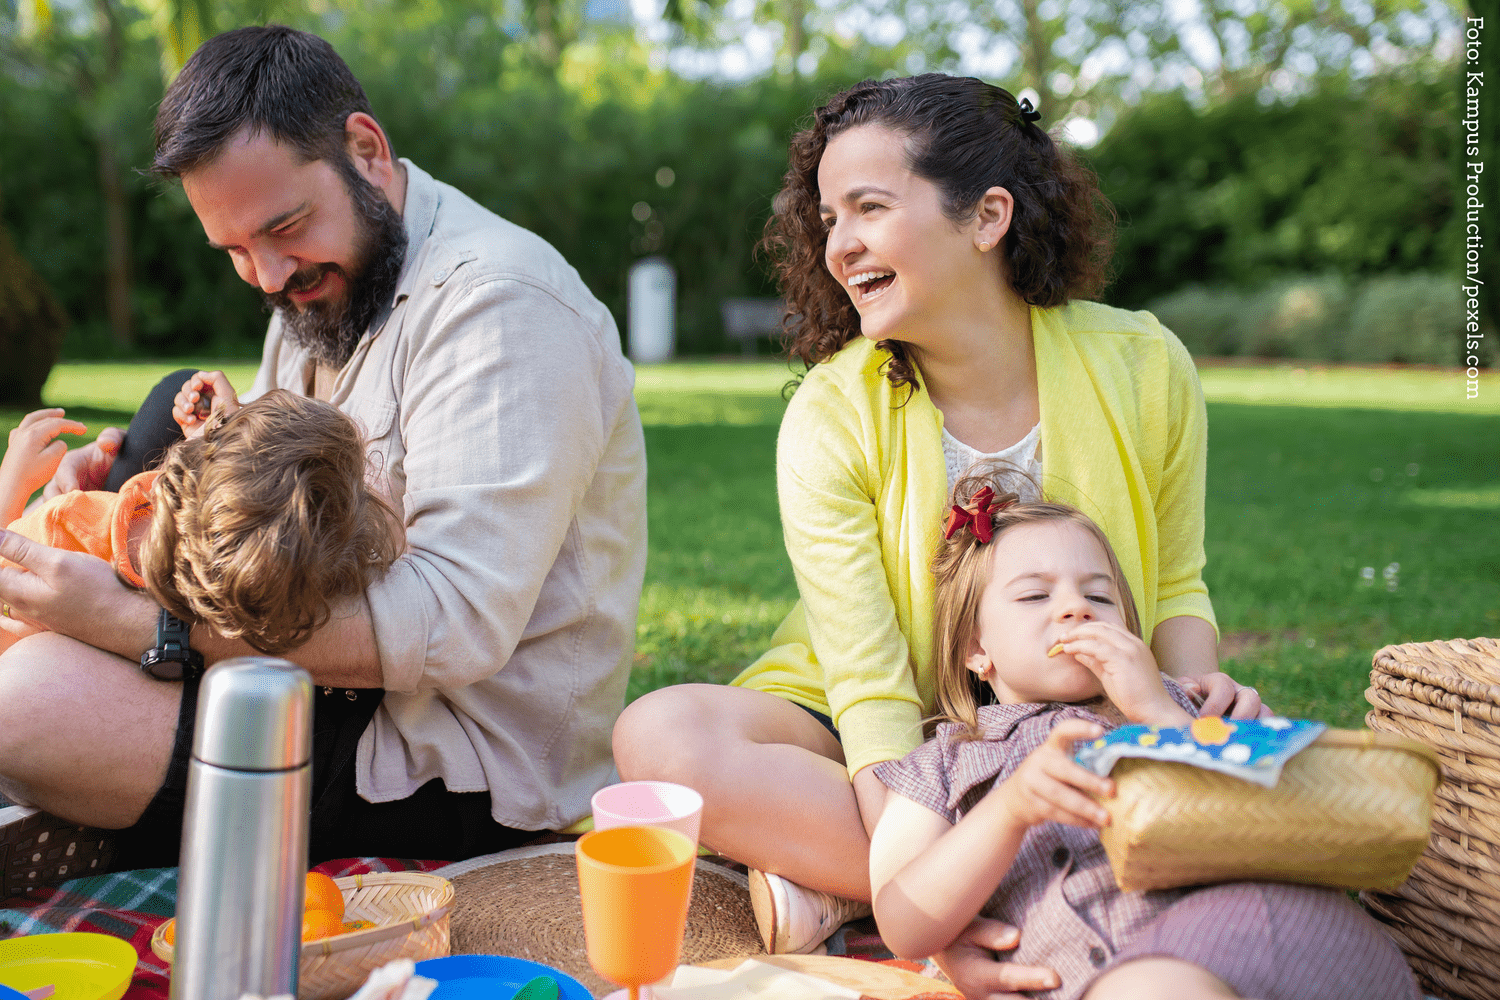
[1252, 749]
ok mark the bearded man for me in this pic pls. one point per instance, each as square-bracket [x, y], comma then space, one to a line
[466, 699]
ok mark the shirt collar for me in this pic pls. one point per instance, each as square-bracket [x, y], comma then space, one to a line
[997, 722]
[418, 215]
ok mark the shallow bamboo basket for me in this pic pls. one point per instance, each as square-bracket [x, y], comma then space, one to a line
[1351, 811]
[410, 913]
[1447, 916]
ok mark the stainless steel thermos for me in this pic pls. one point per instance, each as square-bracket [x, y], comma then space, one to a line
[244, 833]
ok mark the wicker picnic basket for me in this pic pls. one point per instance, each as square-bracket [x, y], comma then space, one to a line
[410, 914]
[1447, 916]
[1351, 811]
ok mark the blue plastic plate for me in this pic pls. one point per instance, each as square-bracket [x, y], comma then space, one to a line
[492, 977]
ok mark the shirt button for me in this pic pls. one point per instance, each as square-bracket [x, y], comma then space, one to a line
[1098, 957]
[1060, 857]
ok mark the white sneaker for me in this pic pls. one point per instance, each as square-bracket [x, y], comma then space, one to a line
[793, 919]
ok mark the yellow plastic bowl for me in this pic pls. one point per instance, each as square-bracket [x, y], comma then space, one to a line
[81, 966]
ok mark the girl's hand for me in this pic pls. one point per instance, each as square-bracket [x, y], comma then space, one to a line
[1127, 669]
[33, 455]
[1050, 786]
[202, 396]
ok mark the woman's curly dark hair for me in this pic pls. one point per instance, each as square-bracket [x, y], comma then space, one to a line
[965, 136]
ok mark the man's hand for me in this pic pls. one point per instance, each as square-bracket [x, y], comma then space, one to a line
[970, 963]
[202, 396]
[75, 595]
[1223, 696]
[88, 467]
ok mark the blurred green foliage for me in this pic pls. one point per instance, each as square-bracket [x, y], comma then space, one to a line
[612, 159]
[624, 163]
[1407, 318]
[1353, 179]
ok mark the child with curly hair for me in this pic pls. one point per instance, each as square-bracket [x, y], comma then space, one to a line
[1038, 646]
[255, 524]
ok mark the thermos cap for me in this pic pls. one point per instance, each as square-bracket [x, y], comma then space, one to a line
[254, 714]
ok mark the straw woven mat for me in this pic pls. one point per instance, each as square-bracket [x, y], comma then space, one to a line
[524, 903]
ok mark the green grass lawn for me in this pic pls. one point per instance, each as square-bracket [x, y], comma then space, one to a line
[1315, 475]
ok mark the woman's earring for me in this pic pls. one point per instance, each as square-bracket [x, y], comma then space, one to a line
[984, 247]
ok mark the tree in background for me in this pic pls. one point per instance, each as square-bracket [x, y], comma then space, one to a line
[31, 329]
[1355, 179]
[1092, 57]
[592, 141]
[88, 49]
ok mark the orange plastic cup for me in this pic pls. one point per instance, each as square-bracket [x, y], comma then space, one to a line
[635, 883]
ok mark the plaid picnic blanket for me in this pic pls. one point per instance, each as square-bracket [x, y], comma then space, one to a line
[130, 905]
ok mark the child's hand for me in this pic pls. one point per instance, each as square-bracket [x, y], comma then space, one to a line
[1050, 786]
[1128, 671]
[34, 453]
[203, 395]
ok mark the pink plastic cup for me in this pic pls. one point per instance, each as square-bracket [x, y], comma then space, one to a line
[649, 803]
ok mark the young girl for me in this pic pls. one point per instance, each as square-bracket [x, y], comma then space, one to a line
[255, 524]
[1038, 647]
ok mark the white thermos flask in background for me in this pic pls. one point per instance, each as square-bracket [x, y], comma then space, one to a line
[244, 833]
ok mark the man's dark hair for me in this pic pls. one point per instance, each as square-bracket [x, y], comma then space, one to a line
[286, 83]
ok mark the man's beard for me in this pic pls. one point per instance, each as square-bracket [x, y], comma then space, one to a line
[329, 331]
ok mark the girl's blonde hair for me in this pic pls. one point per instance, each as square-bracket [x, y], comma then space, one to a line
[267, 519]
[962, 569]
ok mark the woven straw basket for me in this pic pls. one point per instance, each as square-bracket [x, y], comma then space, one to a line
[1447, 916]
[1351, 811]
[410, 913]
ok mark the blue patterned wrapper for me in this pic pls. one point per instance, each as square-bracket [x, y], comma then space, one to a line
[1252, 749]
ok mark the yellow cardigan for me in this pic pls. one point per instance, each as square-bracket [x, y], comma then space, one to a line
[862, 487]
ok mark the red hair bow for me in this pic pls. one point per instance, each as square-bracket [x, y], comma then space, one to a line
[980, 519]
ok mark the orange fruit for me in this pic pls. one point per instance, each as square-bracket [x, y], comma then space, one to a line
[170, 934]
[319, 924]
[358, 925]
[323, 894]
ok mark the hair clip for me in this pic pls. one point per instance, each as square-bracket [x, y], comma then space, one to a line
[1029, 113]
[980, 519]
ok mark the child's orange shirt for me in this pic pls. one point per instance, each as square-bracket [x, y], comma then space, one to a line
[93, 521]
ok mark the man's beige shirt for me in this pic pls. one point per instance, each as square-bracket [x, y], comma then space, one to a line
[501, 421]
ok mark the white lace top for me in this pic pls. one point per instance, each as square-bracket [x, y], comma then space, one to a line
[1025, 455]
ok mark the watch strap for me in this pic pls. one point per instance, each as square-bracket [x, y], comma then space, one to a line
[172, 658]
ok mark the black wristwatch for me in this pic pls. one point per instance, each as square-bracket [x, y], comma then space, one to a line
[171, 659]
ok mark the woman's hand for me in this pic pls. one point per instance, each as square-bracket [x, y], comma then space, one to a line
[1128, 671]
[970, 964]
[1221, 695]
[202, 396]
[1050, 786]
[32, 458]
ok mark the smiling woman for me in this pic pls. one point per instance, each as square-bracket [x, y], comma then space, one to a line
[935, 248]
[957, 138]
